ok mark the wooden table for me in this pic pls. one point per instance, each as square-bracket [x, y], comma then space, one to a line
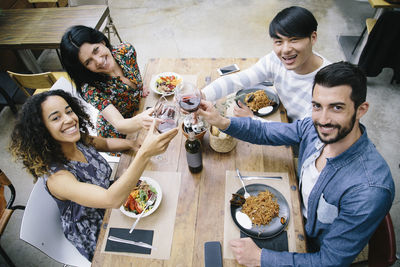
[42, 28]
[200, 210]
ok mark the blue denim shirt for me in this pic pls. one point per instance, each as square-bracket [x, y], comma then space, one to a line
[353, 193]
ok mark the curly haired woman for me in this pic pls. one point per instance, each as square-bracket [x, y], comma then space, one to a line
[106, 77]
[52, 141]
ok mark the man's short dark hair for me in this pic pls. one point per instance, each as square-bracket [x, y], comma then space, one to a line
[344, 73]
[293, 21]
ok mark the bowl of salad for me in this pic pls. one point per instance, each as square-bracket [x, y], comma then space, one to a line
[164, 83]
[137, 199]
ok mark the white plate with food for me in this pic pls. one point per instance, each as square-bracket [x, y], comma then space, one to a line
[139, 196]
[165, 83]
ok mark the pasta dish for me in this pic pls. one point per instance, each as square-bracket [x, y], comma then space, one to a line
[261, 208]
[258, 100]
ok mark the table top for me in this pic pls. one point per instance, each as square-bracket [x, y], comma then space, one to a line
[200, 210]
[42, 28]
[382, 4]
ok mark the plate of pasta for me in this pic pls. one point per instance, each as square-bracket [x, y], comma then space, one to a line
[266, 207]
[259, 98]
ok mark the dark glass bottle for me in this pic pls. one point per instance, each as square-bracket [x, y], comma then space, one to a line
[193, 154]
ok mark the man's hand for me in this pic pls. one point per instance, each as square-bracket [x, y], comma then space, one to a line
[212, 116]
[246, 252]
[242, 110]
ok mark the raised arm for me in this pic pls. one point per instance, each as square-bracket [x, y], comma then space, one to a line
[65, 186]
[129, 125]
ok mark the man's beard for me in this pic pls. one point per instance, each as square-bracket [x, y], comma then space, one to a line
[342, 131]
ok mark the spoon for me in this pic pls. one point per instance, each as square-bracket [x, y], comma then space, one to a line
[246, 194]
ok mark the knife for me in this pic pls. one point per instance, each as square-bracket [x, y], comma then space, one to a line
[260, 177]
[131, 242]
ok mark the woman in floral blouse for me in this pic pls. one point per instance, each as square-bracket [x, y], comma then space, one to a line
[106, 77]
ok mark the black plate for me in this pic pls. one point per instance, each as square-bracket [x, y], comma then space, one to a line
[241, 94]
[275, 227]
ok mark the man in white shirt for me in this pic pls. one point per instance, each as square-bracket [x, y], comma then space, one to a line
[291, 66]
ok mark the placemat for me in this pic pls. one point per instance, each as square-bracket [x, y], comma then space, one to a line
[137, 235]
[162, 221]
[232, 185]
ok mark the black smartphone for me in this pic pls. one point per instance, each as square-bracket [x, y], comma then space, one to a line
[228, 69]
[212, 254]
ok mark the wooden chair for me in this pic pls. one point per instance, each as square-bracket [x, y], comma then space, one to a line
[108, 26]
[38, 82]
[382, 245]
[6, 210]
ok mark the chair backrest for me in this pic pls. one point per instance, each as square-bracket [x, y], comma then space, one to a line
[87, 2]
[4, 181]
[382, 245]
[34, 2]
[33, 81]
[41, 227]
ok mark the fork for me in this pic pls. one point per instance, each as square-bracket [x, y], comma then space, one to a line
[148, 204]
[246, 194]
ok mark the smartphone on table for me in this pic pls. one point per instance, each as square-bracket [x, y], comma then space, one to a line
[228, 69]
[212, 254]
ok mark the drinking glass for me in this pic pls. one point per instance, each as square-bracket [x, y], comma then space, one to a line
[168, 113]
[188, 96]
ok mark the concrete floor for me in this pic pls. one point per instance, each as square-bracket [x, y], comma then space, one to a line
[224, 28]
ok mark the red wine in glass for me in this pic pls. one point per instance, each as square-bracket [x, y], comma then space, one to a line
[168, 117]
[189, 103]
[166, 125]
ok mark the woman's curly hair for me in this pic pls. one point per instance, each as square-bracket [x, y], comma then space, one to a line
[31, 142]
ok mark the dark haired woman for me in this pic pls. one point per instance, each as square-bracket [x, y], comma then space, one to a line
[291, 66]
[106, 77]
[51, 139]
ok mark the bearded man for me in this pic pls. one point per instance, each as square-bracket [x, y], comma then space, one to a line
[345, 184]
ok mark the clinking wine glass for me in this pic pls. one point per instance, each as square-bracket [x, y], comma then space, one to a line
[188, 96]
[168, 113]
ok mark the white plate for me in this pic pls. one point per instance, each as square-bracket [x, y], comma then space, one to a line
[157, 187]
[153, 83]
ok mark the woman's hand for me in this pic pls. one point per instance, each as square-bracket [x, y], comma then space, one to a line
[156, 143]
[246, 252]
[145, 118]
[242, 110]
[145, 91]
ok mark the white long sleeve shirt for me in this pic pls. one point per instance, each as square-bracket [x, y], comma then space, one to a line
[294, 90]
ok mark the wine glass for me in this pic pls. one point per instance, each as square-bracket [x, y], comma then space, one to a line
[188, 96]
[168, 113]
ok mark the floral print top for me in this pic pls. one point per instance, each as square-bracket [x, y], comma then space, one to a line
[81, 225]
[114, 91]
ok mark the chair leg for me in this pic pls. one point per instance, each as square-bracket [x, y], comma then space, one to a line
[59, 57]
[9, 100]
[359, 39]
[111, 23]
[6, 258]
